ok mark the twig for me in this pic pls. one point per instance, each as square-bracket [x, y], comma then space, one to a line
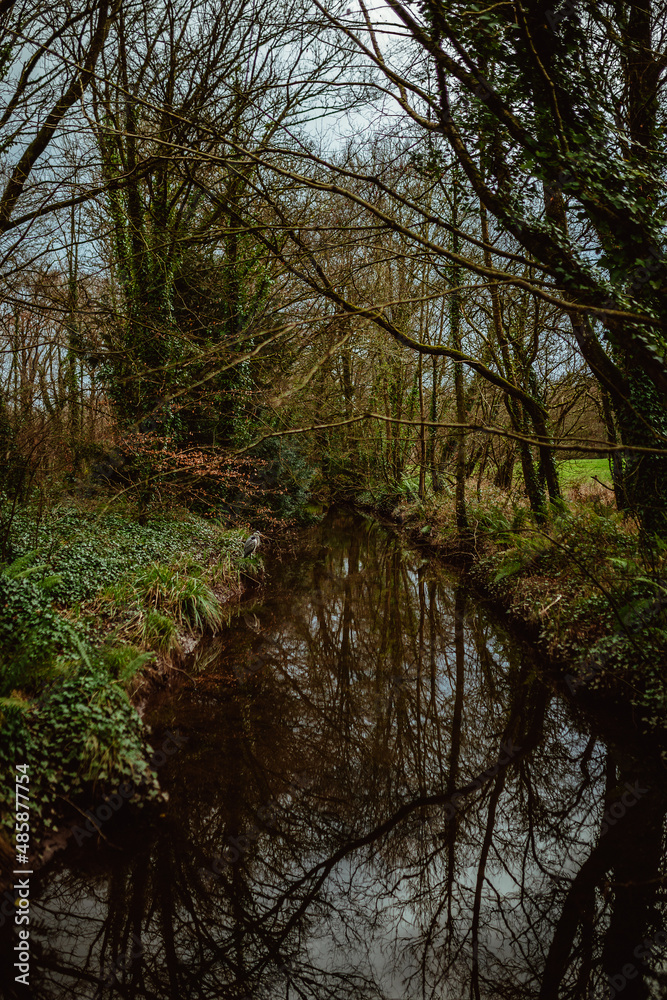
[544, 610]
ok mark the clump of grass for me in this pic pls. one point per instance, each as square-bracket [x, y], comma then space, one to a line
[225, 571]
[158, 631]
[159, 601]
[124, 662]
[180, 593]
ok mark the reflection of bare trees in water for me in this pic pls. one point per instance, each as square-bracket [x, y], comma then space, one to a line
[413, 859]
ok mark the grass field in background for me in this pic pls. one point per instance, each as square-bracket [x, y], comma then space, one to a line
[582, 469]
[571, 471]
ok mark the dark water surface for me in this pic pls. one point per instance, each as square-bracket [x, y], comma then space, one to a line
[314, 844]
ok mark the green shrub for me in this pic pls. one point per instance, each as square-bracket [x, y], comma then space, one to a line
[31, 630]
[82, 732]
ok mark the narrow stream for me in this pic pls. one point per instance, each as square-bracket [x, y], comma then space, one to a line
[374, 795]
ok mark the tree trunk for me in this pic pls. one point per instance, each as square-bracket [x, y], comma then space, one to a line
[433, 464]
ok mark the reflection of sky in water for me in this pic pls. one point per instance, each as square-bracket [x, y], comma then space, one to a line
[374, 729]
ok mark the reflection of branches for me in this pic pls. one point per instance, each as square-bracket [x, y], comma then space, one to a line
[407, 865]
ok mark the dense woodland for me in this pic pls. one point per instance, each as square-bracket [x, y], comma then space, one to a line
[251, 248]
[268, 265]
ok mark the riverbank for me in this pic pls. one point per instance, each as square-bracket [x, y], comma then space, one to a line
[365, 697]
[585, 587]
[98, 606]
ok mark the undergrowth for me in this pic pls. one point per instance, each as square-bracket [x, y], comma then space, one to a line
[597, 593]
[589, 584]
[88, 549]
[87, 600]
[159, 602]
[79, 732]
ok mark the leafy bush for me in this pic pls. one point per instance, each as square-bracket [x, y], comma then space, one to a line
[82, 732]
[225, 570]
[31, 631]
